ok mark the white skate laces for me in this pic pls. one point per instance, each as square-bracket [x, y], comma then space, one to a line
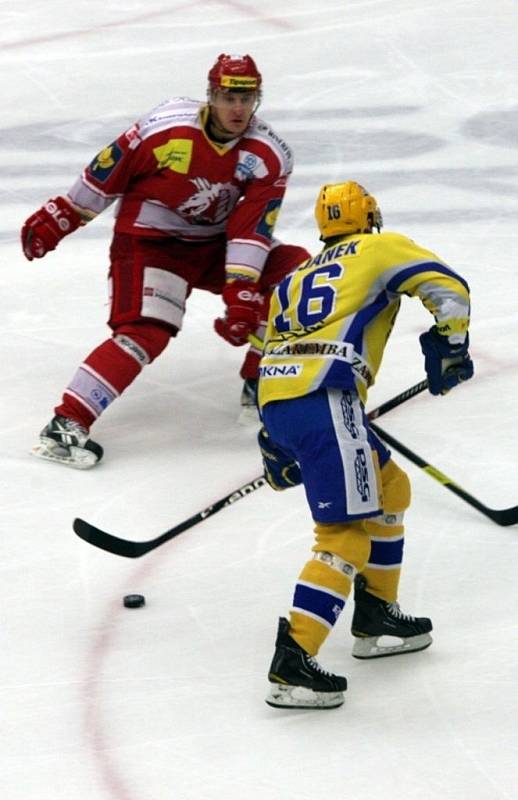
[395, 610]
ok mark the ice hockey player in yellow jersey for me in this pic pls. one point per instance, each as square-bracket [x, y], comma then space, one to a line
[328, 326]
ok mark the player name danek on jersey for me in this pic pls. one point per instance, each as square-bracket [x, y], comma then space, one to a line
[327, 256]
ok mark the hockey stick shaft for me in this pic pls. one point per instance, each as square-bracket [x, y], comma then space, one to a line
[504, 517]
[398, 400]
[131, 549]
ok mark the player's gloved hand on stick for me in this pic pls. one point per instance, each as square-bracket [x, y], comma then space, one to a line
[280, 470]
[446, 364]
[45, 228]
[243, 313]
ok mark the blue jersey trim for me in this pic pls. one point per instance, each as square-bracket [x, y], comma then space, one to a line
[425, 266]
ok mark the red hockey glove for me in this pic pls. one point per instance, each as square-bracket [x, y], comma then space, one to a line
[244, 312]
[44, 229]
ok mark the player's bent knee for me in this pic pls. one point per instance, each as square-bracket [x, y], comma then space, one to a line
[145, 340]
[348, 541]
[397, 492]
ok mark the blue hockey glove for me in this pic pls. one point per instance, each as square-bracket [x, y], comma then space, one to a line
[280, 470]
[446, 364]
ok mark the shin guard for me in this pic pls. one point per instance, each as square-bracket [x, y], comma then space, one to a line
[325, 582]
[109, 370]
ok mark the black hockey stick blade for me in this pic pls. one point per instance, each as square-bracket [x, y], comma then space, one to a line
[131, 549]
[504, 516]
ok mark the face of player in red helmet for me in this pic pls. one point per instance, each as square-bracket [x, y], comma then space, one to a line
[232, 111]
[234, 94]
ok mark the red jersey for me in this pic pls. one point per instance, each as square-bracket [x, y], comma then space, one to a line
[172, 180]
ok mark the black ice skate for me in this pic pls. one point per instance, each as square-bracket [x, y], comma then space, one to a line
[297, 680]
[65, 441]
[248, 402]
[374, 618]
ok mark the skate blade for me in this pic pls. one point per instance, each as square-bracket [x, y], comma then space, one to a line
[77, 458]
[371, 646]
[282, 696]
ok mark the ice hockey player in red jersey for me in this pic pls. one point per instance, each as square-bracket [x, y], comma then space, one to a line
[199, 186]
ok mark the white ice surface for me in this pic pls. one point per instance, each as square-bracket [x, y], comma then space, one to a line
[417, 100]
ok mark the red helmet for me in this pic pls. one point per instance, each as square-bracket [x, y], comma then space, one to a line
[235, 73]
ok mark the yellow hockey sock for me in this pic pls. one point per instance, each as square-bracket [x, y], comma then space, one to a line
[325, 582]
[387, 535]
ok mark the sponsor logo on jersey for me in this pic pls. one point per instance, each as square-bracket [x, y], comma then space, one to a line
[104, 162]
[269, 218]
[362, 475]
[211, 202]
[280, 371]
[342, 351]
[250, 166]
[315, 348]
[160, 120]
[280, 142]
[176, 154]
[133, 137]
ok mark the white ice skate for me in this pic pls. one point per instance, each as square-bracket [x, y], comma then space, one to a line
[65, 441]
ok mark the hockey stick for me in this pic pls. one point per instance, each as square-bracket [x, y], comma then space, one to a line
[129, 549]
[398, 399]
[504, 516]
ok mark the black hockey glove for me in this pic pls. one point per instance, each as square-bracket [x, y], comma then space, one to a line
[446, 364]
[280, 470]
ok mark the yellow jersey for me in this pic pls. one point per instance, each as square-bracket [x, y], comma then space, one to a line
[330, 319]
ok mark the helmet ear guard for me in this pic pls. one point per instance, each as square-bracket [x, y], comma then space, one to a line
[345, 208]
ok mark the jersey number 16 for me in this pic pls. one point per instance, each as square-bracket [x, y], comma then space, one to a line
[311, 301]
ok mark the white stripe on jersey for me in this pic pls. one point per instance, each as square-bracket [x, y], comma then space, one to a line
[261, 131]
[179, 111]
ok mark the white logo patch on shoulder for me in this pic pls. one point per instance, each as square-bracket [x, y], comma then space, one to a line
[249, 165]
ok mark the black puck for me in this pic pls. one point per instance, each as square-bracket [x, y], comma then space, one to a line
[134, 600]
